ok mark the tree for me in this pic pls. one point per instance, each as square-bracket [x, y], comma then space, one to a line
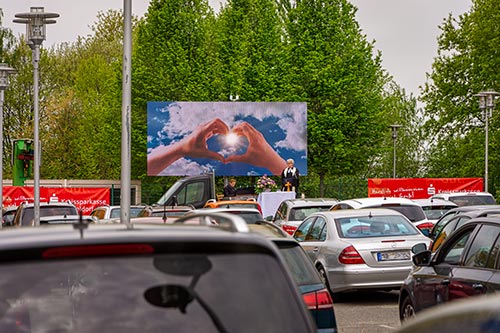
[467, 63]
[333, 69]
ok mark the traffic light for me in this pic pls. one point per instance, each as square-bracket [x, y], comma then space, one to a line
[22, 161]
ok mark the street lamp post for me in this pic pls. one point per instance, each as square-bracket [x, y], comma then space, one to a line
[5, 71]
[35, 22]
[486, 105]
[394, 129]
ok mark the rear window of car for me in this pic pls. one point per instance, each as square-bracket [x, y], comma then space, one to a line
[377, 226]
[413, 213]
[165, 293]
[300, 213]
[28, 212]
[249, 217]
[473, 200]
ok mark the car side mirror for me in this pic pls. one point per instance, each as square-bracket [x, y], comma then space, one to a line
[417, 248]
[422, 258]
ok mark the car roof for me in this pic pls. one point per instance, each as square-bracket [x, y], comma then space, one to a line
[368, 202]
[66, 235]
[429, 202]
[311, 202]
[375, 211]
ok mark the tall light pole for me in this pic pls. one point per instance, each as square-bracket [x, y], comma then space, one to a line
[486, 105]
[5, 71]
[35, 22]
[394, 129]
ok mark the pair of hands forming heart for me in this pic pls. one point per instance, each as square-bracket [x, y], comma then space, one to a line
[258, 152]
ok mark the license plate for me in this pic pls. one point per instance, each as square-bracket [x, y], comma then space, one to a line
[393, 255]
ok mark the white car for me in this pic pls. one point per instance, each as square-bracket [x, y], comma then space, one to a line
[409, 208]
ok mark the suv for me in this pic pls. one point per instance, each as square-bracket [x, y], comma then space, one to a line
[467, 198]
[26, 211]
[409, 208]
[291, 212]
[183, 277]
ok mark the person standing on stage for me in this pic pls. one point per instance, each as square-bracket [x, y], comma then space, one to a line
[290, 177]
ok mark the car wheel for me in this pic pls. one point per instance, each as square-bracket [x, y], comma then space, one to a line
[407, 310]
[324, 277]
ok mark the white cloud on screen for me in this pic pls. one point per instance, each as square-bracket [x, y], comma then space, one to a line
[185, 167]
[186, 116]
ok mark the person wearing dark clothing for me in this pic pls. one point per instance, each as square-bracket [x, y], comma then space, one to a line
[290, 177]
[229, 189]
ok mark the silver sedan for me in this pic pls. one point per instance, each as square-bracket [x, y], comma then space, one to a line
[360, 248]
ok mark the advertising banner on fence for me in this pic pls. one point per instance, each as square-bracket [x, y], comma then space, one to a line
[229, 138]
[421, 188]
[83, 198]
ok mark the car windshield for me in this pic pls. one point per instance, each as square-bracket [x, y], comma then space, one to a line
[376, 226]
[303, 274]
[300, 213]
[47, 211]
[164, 293]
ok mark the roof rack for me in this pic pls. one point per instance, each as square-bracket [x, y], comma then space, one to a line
[234, 223]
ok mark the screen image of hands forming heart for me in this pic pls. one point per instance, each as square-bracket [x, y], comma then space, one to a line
[229, 145]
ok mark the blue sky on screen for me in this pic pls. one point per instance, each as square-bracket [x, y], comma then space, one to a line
[283, 124]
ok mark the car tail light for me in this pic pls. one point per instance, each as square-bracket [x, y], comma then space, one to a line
[424, 226]
[289, 228]
[318, 300]
[97, 250]
[350, 255]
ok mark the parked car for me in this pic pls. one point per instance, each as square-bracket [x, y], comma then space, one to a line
[314, 292]
[442, 231]
[412, 210]
[435, 208]
[466, 264]
[26, 211]
[148, 278]
[249, 203]
[8, 216]
[360, 248]
[473, 315]
[292, 212]
[250, 215]
[110, 212]
[467, 198]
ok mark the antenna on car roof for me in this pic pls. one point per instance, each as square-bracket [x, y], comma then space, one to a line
[81, 225]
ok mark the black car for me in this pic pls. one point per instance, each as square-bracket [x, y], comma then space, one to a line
[466, 264]
[314, 292]
[147, 278]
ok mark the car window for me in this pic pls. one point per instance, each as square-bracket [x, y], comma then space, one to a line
[153, 295]
[303, 229]
[316, 229]
[376, 226]
[441, 223]
[480, 249]
[281, 212]
[473, 200]
[413, 213]
[115, 212]
[300, 213]
[303, 272]
[454, 251]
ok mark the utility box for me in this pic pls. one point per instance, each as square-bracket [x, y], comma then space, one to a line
[23, 153]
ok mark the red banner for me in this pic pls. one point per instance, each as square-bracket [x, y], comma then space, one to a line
[83, 198]
[421, 188]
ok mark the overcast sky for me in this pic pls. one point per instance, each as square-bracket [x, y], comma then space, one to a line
[405, 31]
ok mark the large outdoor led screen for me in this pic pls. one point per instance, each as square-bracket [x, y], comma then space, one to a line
[229, 138]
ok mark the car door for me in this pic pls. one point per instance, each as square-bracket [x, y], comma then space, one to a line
[471, 277]
[431, 283]
[308, 235]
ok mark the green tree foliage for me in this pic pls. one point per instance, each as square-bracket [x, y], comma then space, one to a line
[467, 63]
[250, 50]
[333, 69]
